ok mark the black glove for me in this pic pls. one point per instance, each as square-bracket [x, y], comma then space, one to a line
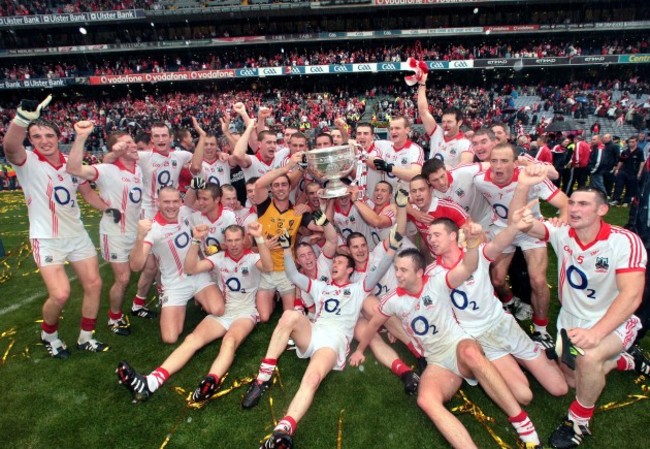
[115, 213]
[320, 219]
[197, 183]
[30, 110]
[285, 240]
[382, 165]
[303, 163]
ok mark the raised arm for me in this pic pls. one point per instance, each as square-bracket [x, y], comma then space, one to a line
[193, 263]
[521, 222]
[74, 166]
[266, 260]
[342, 126]
[27, 112]
[197, 158]
[394, 243]
[331, 238]
[461, 272]
[428, 120]
[239, 155]
[141, 249]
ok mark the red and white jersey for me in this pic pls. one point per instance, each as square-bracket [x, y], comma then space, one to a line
[450, 149]
[217, 172]
[160, 171]
[337, 307]
[245, 215]
[51, 197]
[410, 153]
[544, 154]
[387, 282]
[463, 192]
[377, 235]
[474, 303]
[587, 271]
[258, 167]
[350, 221]
[499, 197]
[238, 280]
[169, 242]
[323, 274]
[121, 189]
[439, 209]
[426, 317]
[216, 228]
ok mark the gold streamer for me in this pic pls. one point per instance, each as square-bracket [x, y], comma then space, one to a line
[339, 436]
[475, 411]
[632, 399]
[11, 345]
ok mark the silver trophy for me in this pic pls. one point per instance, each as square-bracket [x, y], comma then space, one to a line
[331, 164]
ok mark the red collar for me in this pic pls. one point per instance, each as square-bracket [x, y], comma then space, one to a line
[258, 155]
[439, 261]
[341, 285]
[42, 158]
[407, 144]
[162, 220]
[488, 177]
[458, 136]
[119, 164]
[603, 234]
[219, 212]
[245, 252]
[401, 292]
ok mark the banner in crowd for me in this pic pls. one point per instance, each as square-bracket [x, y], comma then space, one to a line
[81, 17]
[634, 59]
[428, 2]
[40, 83]
[161, 77]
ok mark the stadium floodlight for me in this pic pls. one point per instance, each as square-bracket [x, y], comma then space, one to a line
[83, 31]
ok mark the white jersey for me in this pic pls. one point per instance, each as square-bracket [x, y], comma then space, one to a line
[238, 279]
[217, 172]
[323, 274]
[51, 197]
[259, 168]
[245, 215]
[448, 150]
[121, 189]
[387, 282]
[170, 242]
[426, 317]
[463, 192]
[410, 153]
[337, 306]
[378, 235]
[474, 304]
[499, 197]
[349, 222]
[216, 228]
[587, 272]
[160, 171]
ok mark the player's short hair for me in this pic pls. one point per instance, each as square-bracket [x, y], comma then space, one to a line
[299, 135]
[407, 121]
[228, 188]
[504, 146]
[160, 125]
[168, 189]
[419, 178]
[449, 224]
[302, 245]
[252, 180]
[416, 258]
[350, 260]
[143, 137]
[182, 133]
[283, 175]
[503, 126]
[390, 186]
[431, 166]
[455, 112]
[114, 137]
[235, 228]
[601, 197]
[214, 189]
[312, 184]
[366, 125]
[354, 235]
[486, 132]
[41, 122]
[327, 135]
[263, 134]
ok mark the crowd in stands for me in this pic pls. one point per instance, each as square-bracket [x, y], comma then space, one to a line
[251, 57]
[25, 8]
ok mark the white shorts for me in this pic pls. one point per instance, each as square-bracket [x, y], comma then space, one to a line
[56, 251]
[177, 294]
[449, 361]
[507, 337]
[523, 241]
[116, 248]
[626, 332]
[276, 280]
[322, 337]
[226, 321]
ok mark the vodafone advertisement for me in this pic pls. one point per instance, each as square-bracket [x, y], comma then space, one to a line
[161, 77]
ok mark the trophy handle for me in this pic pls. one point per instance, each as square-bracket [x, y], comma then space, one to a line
[361, 179]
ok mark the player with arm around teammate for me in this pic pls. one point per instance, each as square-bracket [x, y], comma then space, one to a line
[238, 273]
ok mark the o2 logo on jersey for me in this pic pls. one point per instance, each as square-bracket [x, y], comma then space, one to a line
[460, 301]
[233, 284]
[421, 326]
[211, 241]
[439, 156]
[214, 180]
[62, 196]
[332, 305]
[182, 240]
[578, 280]
[135, 195]
[501, 211]
[380, 289]
[164, 178]
[375, 237]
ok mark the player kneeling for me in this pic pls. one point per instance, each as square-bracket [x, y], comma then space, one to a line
[238, 273]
